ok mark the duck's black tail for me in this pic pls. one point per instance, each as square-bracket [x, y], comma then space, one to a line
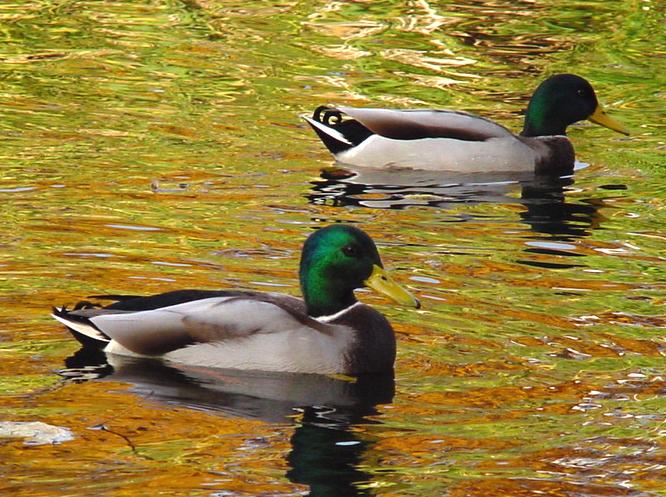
[337, 133]
[81, 328]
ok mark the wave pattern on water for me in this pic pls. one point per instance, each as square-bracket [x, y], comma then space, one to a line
[148, 146]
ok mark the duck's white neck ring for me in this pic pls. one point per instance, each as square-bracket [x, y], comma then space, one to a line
[333, 317]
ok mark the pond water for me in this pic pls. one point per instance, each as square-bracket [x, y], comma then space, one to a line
[149, 146]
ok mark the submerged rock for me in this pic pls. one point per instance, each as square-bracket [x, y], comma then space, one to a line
[35, 432]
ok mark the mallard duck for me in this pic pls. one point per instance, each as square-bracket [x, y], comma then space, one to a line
[328, 331]
[457, 141]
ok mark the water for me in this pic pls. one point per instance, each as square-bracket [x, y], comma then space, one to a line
[147, 147]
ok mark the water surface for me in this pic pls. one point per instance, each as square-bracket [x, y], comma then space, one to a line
[157, 145]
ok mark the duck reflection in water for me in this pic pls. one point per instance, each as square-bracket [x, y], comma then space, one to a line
[544, 197]
[325, 449]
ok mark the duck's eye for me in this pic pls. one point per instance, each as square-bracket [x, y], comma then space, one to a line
[350, 250]
[580, 92]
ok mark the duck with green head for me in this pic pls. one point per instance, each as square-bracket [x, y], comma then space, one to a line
[328, 331]
[443, 140]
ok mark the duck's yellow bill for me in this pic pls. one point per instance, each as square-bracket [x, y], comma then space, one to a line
[600, 117]
[382, 283]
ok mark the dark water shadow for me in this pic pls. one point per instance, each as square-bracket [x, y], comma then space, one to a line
[554, 220]
[326, 450]
[399, 189]
[547, 210]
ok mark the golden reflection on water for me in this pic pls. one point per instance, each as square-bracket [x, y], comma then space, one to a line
[157, 146]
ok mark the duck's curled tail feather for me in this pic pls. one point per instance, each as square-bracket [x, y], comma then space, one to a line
[337, 131]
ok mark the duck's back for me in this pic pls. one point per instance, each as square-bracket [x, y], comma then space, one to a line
[416, 124]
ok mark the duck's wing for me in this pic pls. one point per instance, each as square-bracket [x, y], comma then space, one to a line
[137, 303]
[218, 318]
[417, 124]
[79, 324]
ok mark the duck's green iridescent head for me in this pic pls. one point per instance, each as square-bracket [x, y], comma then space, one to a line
[335, 261]
[562, 100]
